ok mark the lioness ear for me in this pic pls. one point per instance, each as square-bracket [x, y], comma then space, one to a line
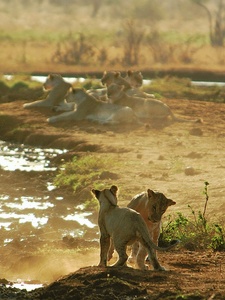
[117, 74]
[171, 202]
[150, 193]
[129, 72]
[51, 76]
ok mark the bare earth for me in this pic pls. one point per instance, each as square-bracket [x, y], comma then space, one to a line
[152, 156]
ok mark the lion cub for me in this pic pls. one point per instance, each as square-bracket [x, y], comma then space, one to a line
[124, 226]
[151, 206]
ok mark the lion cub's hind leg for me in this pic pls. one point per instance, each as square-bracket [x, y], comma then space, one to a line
[111, 250]
[141, 256]
[134, 252]
[121, 250]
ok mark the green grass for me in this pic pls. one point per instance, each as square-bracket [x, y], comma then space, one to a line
[18, 81]
[174, 87]
[83, 172]
[196, 232]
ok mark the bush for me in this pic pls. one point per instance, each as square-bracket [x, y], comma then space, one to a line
[194, 233]
[83, 172]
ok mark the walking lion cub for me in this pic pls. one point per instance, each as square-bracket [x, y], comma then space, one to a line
[151, 205]
[124, 226]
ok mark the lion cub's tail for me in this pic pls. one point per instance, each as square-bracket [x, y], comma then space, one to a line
[146, 238]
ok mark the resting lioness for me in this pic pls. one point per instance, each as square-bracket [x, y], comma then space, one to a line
[114, 77]
[58, 88]
[131, 82]
[144, 108]
[124, 226]
[88, 107]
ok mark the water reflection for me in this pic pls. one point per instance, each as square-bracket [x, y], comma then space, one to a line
[24, 158]
[22, 218]
[71, 80]
[30, 202]
[81, 219]
[46, 216]
[25, 210]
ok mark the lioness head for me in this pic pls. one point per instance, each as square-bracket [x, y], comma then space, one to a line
[109, 77]
[157, 205]
[109, 195]
[52, 81]
[135, 78]
[114, 92]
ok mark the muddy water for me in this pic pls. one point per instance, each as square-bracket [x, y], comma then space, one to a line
[47, 214]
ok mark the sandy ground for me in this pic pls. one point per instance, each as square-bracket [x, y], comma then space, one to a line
[153, 156]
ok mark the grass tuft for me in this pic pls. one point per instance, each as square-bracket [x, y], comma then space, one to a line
[195, 233]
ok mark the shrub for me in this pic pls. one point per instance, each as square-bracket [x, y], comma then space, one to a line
[77, 51]
[83, 172]
[195, 233]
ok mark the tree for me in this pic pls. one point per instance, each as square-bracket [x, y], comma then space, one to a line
[216, 22]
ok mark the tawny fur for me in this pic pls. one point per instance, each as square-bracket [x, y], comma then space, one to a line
[131, 82]
[89, 108]
[125, 226]
[144, 108]
[57, 87]
[151, 206]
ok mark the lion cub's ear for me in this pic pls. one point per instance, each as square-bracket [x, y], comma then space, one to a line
[96, 193]
[171, 202]
[150, 193]
[114, 189]
[111, 194]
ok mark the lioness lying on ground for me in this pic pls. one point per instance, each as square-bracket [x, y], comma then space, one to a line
[130, 82]
[88, 107]
[107, 79]
[144, 108]
[151, 206]
[58, 88]
[124, 226]
[114, 77]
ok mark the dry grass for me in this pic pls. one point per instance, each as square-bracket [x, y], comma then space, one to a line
[37, 57]
[29, 40]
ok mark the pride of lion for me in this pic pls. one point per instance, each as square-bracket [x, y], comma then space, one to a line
[121, 101]
[126, 226]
